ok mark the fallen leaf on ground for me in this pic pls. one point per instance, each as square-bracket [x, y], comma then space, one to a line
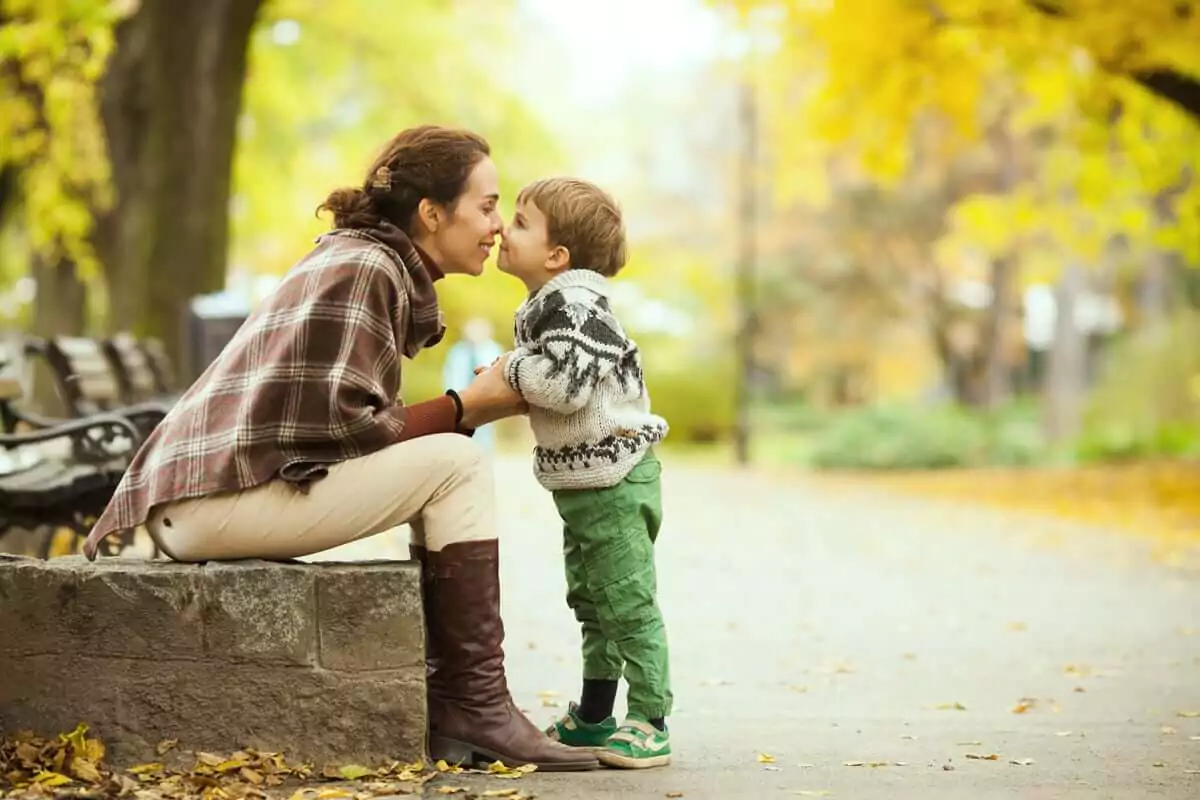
[909, 736]
[1077, 670]
[499, 793]
[208, 759]
[500, 770]
[85, 770]
[955, 706]
[1168, 730]
[1188, 714]
[1063, 733]
[353, 772]
[1023, 705]
[452, 769]
[984, 756]
[1159, 764]
[166, 746]
[48, 778]
[1016, 626]
[1079, 689]
[766, 758]
[450, 789]
[674, 794]
[853, 764]
[1022, 762]
[146, 769]
[1194, 738]
[333, 794]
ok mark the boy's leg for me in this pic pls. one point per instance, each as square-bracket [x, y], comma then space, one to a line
[589, 723]
[616, 529]
[601, 660]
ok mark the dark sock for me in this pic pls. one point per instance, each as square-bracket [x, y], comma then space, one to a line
[660, 723]
[596, 702]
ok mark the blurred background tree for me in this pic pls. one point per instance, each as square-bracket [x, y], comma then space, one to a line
[975, 225]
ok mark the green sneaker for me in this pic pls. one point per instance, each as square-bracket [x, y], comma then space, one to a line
[574, 732]
[636, 745]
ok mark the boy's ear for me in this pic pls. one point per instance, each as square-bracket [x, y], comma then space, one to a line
[430, 214]
[559, 258]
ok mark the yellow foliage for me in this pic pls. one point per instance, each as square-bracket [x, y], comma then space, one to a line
[51, 54]
[873, 72]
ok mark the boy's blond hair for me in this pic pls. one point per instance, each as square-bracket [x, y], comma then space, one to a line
[583, 218]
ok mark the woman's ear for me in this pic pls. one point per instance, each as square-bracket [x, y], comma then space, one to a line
[559, 258]
[429, 214]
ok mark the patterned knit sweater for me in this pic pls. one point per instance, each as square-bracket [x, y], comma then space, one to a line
[582, 378]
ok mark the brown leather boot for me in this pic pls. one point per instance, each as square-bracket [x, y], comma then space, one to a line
[472, 718]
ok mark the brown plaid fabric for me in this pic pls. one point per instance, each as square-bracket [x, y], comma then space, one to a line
[311, 379]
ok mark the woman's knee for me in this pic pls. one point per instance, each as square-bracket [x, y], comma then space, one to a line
[460, 456]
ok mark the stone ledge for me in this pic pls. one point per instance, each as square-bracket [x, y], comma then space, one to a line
[322, 661]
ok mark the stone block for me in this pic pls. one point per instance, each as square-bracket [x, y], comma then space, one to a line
[322, 662]
[369, 616]
[260, 611]
[307, 713]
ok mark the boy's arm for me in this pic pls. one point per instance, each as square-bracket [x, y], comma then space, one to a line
[575, 349]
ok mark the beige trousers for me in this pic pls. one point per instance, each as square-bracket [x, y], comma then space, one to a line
[441, 485]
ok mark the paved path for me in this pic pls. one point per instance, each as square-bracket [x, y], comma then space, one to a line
[834, 626]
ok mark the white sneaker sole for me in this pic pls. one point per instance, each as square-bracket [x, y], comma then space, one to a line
[609, 759]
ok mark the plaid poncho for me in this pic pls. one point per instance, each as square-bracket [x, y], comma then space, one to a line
[310, 379]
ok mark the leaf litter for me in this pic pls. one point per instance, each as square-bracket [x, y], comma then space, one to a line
[72, 765]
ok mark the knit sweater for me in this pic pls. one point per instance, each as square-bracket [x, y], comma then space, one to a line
[582, 378]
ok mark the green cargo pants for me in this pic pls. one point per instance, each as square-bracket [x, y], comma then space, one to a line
[608, 546]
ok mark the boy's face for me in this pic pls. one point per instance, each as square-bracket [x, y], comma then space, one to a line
[526, 252]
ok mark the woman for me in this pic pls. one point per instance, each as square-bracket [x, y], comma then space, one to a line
[292, 442]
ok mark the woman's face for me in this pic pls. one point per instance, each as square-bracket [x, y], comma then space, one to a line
[464, 239]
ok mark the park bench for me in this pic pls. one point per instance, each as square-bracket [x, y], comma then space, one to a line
[56, 473]
[142, 369]
[88, 384]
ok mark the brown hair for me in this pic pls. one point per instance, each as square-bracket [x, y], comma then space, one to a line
[583, 218]
[423, 162]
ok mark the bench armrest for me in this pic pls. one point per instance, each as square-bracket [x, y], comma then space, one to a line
[111, 427]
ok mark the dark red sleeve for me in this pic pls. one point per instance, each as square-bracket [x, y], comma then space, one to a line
[428, 417]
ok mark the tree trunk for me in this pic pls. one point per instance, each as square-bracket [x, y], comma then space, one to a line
[996, 368]
[1067, 373]
[170, 101]
[59, 309]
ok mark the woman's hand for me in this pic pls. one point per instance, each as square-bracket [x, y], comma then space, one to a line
[489, 398]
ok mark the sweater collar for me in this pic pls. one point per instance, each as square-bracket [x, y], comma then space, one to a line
[575, 278]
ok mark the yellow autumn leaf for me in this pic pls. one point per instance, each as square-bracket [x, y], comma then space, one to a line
[353, 772]
[499, 793]
[1188, 714]
[766, 758]
[85, 770]
[451, 789]
[46, 778]
[443, 766]
[333, 794]
[166, 746]
[955, 706]
[146, 769]
[76, 738]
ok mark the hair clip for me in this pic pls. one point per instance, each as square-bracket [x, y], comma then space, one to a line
[382, 179]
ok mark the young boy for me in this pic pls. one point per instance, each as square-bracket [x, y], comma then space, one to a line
[590, 414]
